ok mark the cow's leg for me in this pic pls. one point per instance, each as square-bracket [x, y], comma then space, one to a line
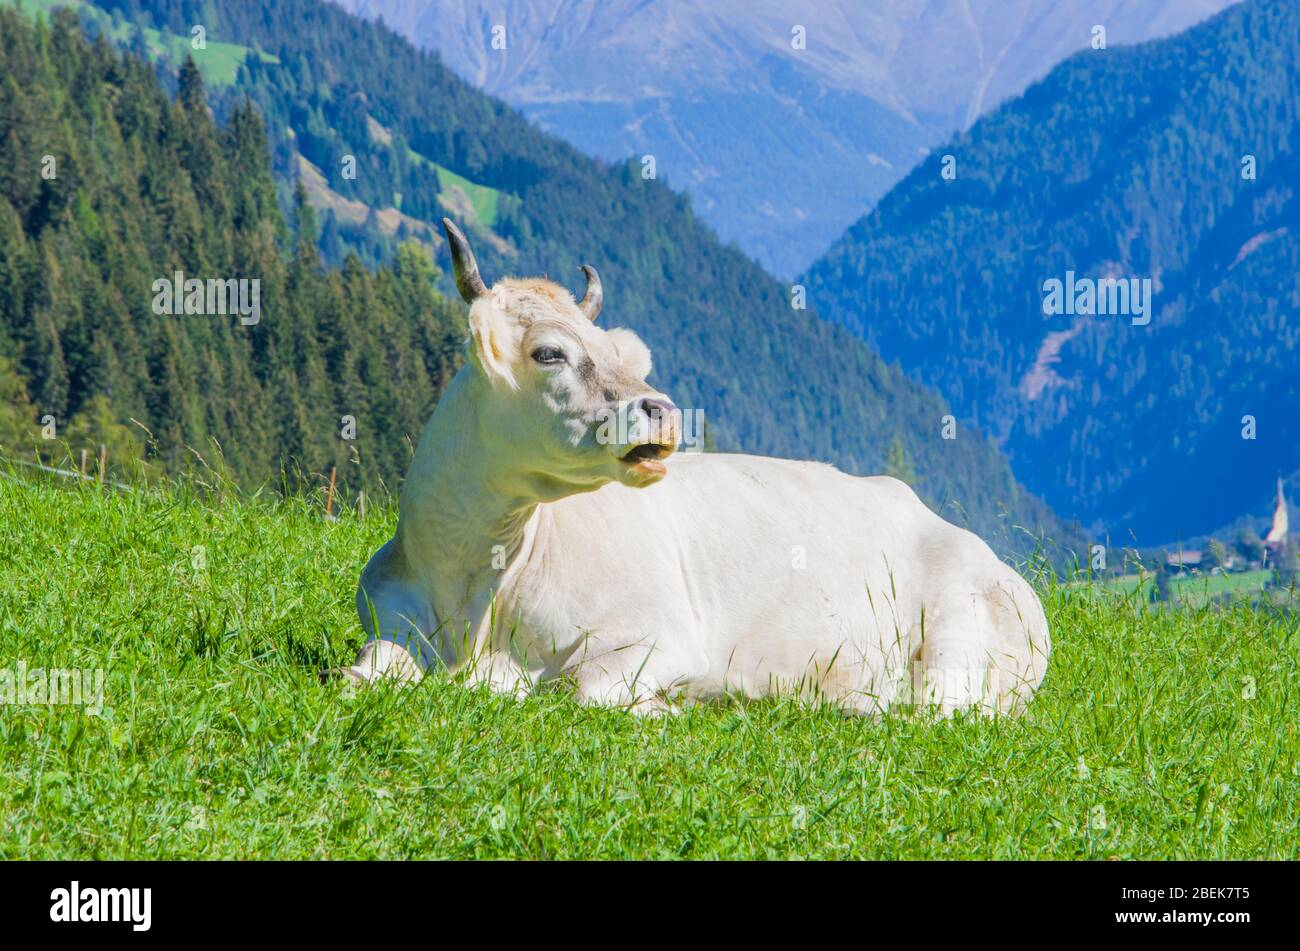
[500, 672]
[397, 621]
[637, 694]
[1020, 643]
[636, 676]
[984, 650]
[383, 659]
[953, 656]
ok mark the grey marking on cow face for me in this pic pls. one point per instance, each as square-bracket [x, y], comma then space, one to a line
[558, 418]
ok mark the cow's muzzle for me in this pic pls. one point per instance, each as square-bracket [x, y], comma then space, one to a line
[654, 438]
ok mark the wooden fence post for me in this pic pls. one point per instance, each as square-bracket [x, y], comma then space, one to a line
[103, 461]
[329, 495]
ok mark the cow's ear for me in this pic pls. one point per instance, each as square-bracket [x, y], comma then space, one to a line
[492, 345]
[632, 352]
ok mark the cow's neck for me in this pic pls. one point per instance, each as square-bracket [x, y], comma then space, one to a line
[461, 520]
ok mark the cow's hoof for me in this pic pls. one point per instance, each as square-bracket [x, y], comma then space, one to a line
[345, 674]
[654, 707]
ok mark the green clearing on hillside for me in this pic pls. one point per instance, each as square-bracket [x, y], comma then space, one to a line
[486, 200]
[218, 62]
[1156, 735]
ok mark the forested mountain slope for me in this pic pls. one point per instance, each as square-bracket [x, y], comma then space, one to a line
[1176, 161]
[770, 378]
[785, 120]
[140, 187]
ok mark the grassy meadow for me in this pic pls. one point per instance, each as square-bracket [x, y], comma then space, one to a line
[1157, 734]
[1196, 590]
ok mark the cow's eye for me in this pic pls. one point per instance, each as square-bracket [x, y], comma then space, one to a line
[548, 355]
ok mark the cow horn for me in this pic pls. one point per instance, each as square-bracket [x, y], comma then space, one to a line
[468, 281]
[595, 296]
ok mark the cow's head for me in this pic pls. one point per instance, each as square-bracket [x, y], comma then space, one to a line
[564, 402]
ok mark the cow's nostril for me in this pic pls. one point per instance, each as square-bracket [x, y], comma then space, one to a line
[657, 410]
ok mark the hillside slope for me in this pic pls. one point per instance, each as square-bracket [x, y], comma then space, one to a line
[1123, 163]
[769, 378]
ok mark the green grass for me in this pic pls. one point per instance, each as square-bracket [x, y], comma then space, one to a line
[1155, 735]
[1191, 590]
[1196, 589]
[218, 62]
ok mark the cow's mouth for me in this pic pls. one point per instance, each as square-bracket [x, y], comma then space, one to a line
[646, 452]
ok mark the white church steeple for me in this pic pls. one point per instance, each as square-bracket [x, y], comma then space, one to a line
[1277, 534]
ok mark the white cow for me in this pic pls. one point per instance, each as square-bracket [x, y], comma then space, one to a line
[536, 541]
